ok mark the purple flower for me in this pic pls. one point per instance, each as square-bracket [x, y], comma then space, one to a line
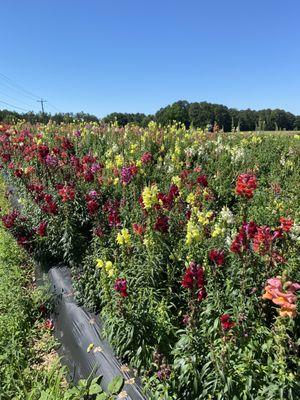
[126, 175]
[51, 161]
[95, 167]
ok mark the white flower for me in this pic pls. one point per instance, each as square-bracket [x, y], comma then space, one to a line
[226, 215]
[295, 232]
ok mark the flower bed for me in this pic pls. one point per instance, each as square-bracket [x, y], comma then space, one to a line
[187, 246]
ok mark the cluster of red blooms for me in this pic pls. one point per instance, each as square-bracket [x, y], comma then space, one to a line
[162, 224]
[193, 279]
[241, 242]
[245, 185]
[67, 193]
[260, 239]
[138, 229]
[263, 239]
[49, 206]
[217, 256]
[286, 224]
[9, 219]
[92, 204]
[111, 207]
[42, 229]
[226, 322]
[168, 199]
[120, 286]
[202, 180]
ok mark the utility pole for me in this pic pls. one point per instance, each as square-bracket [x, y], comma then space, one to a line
[42, 104]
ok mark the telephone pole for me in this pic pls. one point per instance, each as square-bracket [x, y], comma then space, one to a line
[42, 104]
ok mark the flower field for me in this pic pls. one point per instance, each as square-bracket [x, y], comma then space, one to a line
[187, 245]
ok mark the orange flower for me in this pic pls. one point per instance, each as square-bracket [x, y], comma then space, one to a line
[283, 295]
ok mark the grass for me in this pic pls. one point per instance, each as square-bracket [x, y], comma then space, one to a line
[28, 363]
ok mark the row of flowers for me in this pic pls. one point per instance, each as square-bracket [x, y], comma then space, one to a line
[166, 214]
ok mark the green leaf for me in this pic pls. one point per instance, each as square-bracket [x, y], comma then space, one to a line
[116, 385]
[102, 396]
[95, 389]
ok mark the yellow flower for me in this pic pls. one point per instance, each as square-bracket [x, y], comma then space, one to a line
[176, 180]
[123, 237]
[109, 164]
[119, 160]
[190, 199]
[116, 181]
[100, 263]
[217, 231]
[193, 233]
[149, 196]
[109, 268]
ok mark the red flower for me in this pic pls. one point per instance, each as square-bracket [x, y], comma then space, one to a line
[92, 207]
[217, 256]
[193, 279]
[202, 180]
[98, 231]
[246, 184]
[43, 151]
[239, 244]
[121, 287]
[18, 173]
[9, 219]
[286, 224]
[241, 241]
[88, 176]
[42, 229]
[226, 323]
[168, 199]
[262, 240]
[48, 324]
[162, 224]
[67, 193]
[138, 229]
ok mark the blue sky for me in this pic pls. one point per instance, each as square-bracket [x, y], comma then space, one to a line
[137, 56]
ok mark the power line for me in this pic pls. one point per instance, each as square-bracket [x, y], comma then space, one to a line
[55, 108]
[18, 92]
[13, 98]
[8, 83]
[19, 87]
[11, 105]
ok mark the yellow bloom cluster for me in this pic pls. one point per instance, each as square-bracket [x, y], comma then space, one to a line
[107, 266]
[195, 225]
[119, 160]
[123, 237]
[193, 233]
[149, 196]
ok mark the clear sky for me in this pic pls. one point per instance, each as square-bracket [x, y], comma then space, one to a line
[137, 56]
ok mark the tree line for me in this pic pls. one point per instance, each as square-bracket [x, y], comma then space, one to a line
[199, 115]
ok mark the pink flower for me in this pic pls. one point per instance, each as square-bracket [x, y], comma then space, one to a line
[120, 286]
[146, 158]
